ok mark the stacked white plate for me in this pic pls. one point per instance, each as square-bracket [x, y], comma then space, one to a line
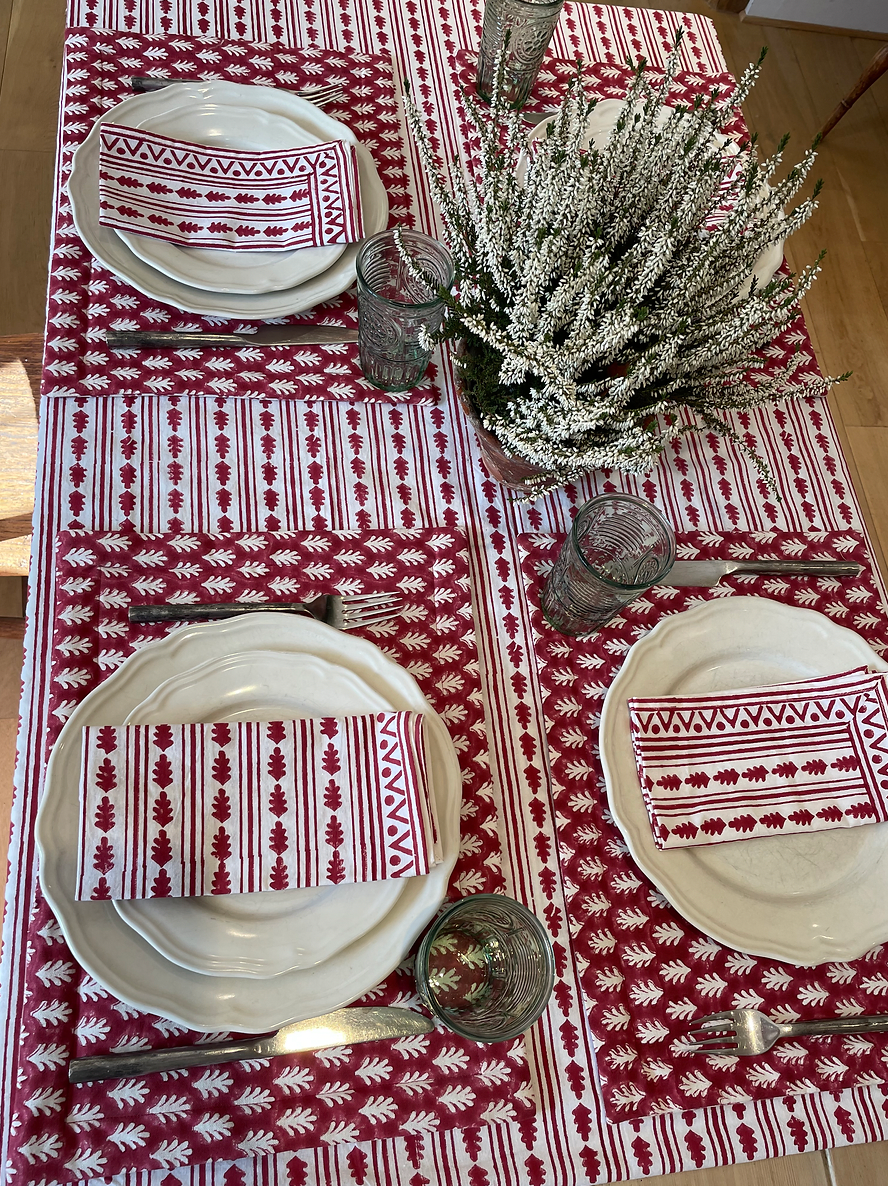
[244, 284]
[249, 962]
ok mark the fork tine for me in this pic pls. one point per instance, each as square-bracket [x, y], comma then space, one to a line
[727, 1015]
[385, 598]
[369, 619]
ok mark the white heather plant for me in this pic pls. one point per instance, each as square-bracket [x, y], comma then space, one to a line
[602, 299]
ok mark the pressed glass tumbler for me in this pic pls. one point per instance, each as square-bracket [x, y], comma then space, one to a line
[486, 968]
[530, 27]
[396, 308]
[618, 546]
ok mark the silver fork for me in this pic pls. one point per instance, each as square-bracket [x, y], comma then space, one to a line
[747, 1031]
[322, 94]
[344, 613]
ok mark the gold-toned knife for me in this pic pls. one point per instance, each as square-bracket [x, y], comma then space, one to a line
[706, 573]
[344, 1027]
[268, 335]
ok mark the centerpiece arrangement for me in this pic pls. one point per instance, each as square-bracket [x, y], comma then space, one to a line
[605, 299]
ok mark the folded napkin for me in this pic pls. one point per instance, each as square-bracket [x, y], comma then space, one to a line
[197, 196]
[182, 810]
[797, 757]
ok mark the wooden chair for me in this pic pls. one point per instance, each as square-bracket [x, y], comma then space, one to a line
[20, 363]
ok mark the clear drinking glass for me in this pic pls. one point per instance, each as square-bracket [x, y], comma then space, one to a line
[394, 308]
[618, 546]
[486, 968]
[531, 25]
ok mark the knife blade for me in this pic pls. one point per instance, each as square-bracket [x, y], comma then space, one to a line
[343, 1027]
[269, 335]
[706, 573]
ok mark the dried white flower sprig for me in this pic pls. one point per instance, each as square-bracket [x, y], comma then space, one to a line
[604, 295]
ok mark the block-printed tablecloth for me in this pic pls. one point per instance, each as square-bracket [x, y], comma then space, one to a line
[416, 1085]
[85, 298]
[231, 464]
[645, 971]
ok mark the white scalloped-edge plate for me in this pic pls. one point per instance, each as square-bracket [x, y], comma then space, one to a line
[130, 967]
[261, 934]
[804, 899]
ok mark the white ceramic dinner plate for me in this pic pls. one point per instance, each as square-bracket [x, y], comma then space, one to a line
[109, 248]
[241, 128]
[261, 934]
[804, 899]
[130, 967]
[602, 121]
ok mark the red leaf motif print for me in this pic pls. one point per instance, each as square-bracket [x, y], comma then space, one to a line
[162, 774]
[831, 814]
[669, 782]
[221, 846]
[815, 766]
[785, 770]
[727, 777]
[696, 1147]
[277, 802]
[103, 857]
[333, 833]
[279, 879]
[277, 838]
[163, 810]
[773, 820]
[221, 768]
[104, 819]
[106, 739]
[332, 796]
[330, 760]
[221, 882]
[742, 823]
[277, 764]
[862, 811]
[801, 817]
[161, 849]
[221, 733]
[277, 731]
[163, 736]
[756, 773]
[335, 869]
[697, 779]
[687, 830]
[846, 1123]
[748, 1142]
[221, 806]
[642, 1153]
[106, 775]
[357, 1164]
[102, 891]
[329, 726]
[797, 1131]
[848, 762]
[713, 827]
[162, 887]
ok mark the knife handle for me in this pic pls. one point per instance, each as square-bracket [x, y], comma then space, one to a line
[222, 609]
[118, 339]
[143, 1062]
[813, 568]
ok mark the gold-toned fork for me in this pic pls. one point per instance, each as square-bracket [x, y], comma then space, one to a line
[747, 1031]
[348, 612]
[320, 95]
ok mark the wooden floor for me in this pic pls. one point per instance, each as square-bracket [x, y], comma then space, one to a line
[805, 75]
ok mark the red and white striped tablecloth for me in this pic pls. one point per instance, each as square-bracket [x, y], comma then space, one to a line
[227, 464]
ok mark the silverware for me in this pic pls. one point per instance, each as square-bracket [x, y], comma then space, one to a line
[326, 93]
[747, 1031]
[269, 335]
[343, 613]
[706, 573]
[344, 1027]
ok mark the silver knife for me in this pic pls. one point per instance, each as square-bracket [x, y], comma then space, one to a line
[269, 335]
[344, 1027]
[706, 573]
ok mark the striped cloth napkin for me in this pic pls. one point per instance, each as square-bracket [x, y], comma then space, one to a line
[196, 196]
[796, 757]
[182, 810]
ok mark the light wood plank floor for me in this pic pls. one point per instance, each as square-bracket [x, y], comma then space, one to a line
[805, 75]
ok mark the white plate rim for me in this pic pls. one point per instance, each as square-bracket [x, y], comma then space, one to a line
[208, 1003]
[794, 934]
[282, 945]
[110, 250]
